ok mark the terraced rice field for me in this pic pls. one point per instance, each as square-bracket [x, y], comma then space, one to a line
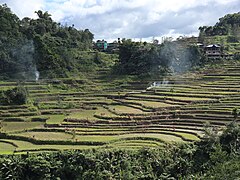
[61, 115]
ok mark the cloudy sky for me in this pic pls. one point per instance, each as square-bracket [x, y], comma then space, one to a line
[110, 19]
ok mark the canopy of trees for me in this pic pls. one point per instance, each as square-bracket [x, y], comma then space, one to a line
[227, 25]
[39, 44]
[15, 96]
[152, 60]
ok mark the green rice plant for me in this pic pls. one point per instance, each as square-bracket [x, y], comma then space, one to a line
[6, 148]
[55, 119]
[19, 126]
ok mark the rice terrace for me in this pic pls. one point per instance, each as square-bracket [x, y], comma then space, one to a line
[76, 106]
[129, 116]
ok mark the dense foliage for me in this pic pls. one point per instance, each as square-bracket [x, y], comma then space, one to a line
[136, 58]
[15, 96]
[153, 60]
[215, 157]
[227, 25]
[31, 45]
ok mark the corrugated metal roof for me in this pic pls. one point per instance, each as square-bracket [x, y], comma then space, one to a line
[213, 45]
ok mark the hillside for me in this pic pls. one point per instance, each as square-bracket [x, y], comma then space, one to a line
[44, 47]
[226, 33]
[121, 113]
[227, 25]
[175, 129]
[149, 111]
[144, 96]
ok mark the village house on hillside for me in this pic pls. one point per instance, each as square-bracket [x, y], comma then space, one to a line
[101, 45]
[213, 51]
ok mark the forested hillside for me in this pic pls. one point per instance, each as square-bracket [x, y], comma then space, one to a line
[227, 25]
[156, 60]
[31, 45]
[137, 114]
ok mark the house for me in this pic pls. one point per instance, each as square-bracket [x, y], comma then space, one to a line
[213, 51]
[101, 45]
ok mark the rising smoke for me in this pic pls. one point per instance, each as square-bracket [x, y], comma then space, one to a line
[37, 75]
[157, 84]
[177, 56]
[25, 65]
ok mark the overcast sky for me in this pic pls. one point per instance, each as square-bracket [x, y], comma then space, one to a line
[110, 19]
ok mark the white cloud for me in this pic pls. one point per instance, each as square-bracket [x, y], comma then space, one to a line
[24, 8]
[110, 19]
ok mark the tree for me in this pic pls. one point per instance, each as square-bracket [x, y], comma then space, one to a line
[227, 25]
[53, 46]
[235, 113]
[230, 138]
[15, 96]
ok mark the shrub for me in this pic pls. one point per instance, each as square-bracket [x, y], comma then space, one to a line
[236, 56]
[15, 96]
[232, 39]
[39, 119]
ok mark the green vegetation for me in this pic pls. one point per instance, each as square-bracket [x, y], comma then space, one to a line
[46, 136]
[227, 25]
[6, 147]
[41, 45]
[139, 113]
[22, 146]
[58, 114]
[150, 60]
[15, 96]
[19, 126]
[225, 32]
[206, 159]
[55, 119]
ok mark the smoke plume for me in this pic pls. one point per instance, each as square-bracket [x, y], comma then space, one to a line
[25, 65]
[177, 56]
